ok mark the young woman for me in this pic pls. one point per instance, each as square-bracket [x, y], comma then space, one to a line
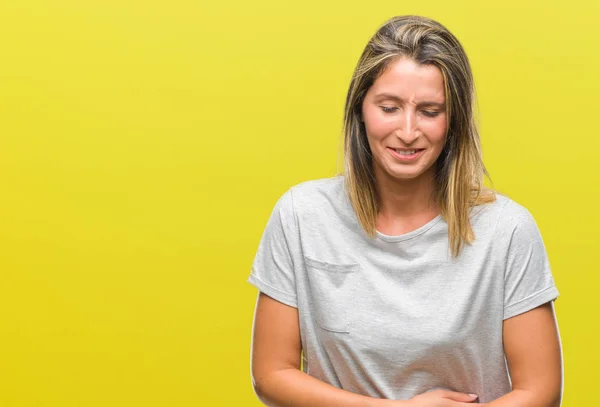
[403, 281]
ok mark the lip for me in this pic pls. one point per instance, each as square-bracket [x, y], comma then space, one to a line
[406, 158]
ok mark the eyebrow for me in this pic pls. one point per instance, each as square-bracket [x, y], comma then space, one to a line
[424, 103]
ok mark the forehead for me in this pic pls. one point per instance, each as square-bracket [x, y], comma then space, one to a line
[407, 79]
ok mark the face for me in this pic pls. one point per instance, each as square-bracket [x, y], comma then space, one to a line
[405, 118]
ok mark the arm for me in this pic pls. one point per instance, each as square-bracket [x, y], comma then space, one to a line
[533, 352]
[276, 344]
[275, 366]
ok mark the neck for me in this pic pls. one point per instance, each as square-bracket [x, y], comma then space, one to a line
[405, 199]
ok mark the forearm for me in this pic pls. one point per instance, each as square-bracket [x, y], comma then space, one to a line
[292, 387]
[525, 398]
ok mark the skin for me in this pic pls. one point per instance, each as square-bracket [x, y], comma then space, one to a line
[278, 380]
[533, 352]
[396, 116]
[531, 340]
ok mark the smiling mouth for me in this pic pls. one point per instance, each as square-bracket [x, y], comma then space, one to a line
[406, 155]
[407, 152]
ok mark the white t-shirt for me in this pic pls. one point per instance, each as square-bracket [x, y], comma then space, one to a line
[395, 316]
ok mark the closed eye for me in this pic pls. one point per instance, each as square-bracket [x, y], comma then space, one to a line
[388, 109]
[428, 113]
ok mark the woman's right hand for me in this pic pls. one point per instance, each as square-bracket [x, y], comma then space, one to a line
[435, 398]
[442, 398]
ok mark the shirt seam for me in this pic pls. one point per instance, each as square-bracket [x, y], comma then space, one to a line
[292, 296]
[399, 239]
[495, 236]
[530, 296]
[287, 238]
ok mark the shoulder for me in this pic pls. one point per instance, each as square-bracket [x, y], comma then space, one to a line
[515, 216]
[504, 214]
[317, 202]
[513, 225]
[316, 193]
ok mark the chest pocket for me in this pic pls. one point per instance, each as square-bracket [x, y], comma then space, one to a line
[333, 288]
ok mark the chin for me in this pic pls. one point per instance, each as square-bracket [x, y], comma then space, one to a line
[406, 177]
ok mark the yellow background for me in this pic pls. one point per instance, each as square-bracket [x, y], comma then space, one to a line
[143, 145]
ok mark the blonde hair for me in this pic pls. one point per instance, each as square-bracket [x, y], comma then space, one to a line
[459, 170]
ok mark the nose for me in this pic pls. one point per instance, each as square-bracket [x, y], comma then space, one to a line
[407, 127]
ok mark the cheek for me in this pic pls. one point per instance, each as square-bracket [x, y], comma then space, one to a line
[436, 132]
[378, 126]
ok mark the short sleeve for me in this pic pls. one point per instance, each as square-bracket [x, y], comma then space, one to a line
[528, 280]
[273, 267]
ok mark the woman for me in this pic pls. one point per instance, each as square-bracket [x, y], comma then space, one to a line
[405, 282]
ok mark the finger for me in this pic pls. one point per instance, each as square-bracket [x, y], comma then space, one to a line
[457, 396]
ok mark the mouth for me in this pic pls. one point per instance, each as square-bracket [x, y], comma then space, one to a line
[404, 154]
[408, 152]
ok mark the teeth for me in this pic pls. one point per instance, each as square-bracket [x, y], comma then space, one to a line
[409, 152]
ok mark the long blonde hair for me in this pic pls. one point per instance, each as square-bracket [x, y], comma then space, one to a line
[459, 170]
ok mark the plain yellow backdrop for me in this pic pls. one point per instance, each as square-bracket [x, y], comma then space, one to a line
[143, 145]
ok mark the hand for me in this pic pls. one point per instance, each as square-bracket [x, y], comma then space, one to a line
[442, 398]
